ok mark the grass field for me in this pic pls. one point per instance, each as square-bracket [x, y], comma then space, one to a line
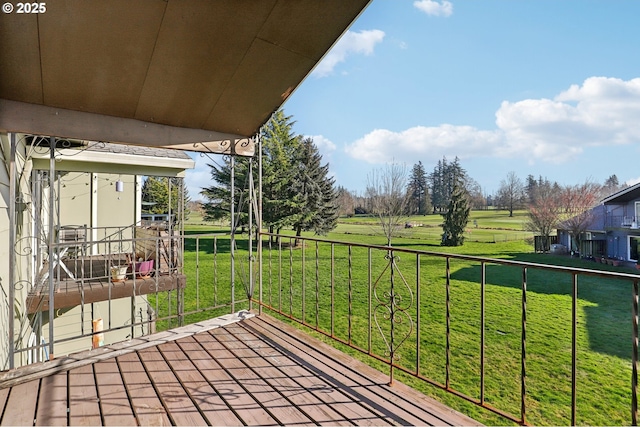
[604, 316]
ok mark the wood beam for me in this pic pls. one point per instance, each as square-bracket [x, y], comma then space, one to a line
[34, 119]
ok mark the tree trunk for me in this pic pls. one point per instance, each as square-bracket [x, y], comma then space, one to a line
[298, 234]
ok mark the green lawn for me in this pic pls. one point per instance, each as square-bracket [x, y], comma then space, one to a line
[604, 315]
[489, 226]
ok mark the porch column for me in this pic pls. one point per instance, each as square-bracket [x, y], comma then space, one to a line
[259, 220]
[12, 244]
[52, 181]
[233, 236]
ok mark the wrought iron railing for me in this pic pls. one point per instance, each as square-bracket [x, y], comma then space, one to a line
[621, 221]
[455, 322]
[173, 292]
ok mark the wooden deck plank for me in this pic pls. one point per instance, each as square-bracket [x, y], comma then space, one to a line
[147, 407]
[322, 402]
[229, 390]
[173, 395]
[21, 406]
[364, 381]
[83, 398]
[114, 402]
[254, 372]
[52, 401]
[210, 403]
[313, 385]
[274, 402]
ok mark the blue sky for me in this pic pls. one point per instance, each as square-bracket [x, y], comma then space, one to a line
[542, 87]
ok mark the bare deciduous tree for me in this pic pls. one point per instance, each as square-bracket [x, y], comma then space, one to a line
[511, 193]
[568, 207]
[577, 204]
[386, 193]
[544, 214]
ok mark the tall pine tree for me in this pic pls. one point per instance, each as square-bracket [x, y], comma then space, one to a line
[155, 194]
[444, 177]
[218, 195]
[456, 217]
[280, 148]
[419, 200]
[296, 191]
[314, 205]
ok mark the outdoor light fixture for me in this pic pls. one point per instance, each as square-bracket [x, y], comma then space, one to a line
[119, 186]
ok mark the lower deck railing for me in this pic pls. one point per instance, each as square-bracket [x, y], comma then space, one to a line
[515, 338]
[93, 306]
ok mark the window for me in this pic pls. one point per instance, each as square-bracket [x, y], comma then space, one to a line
[634, 247]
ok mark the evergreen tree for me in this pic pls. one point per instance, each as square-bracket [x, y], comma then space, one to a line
[437, 180]
[280, 148]
[219, 194]
[531, 188]
[155, 195]
[419, 200]
[456, 218]
[314, 205]
[444, 178]
[611, 186]
[296, 191]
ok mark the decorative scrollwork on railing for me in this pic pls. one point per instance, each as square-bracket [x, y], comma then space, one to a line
[41, 145]
[394, 298]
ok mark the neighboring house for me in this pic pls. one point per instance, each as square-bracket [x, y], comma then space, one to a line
[621, 223]
[594, 238]
[613, 230]
[97, 196]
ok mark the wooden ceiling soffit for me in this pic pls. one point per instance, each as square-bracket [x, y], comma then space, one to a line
[21, 117]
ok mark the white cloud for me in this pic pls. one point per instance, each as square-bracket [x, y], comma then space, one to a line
[362, 42]
[325, 146]
[199, 177]
[434, 8]
[426, 143]
[633, 181]
[602, 111]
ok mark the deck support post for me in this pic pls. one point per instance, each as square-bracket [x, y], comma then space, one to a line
[51, 231]
[259, 220]
[12, 252]
[233, 235]
[634, 360]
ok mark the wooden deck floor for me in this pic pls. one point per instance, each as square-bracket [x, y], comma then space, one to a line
[256, 371]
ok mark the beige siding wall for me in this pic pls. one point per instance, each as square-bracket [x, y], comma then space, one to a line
[75, 198]
[92, 199]
[24, 269]
[69, 324]
[116, 208]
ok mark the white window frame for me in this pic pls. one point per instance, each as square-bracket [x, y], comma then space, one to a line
[629, 247]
